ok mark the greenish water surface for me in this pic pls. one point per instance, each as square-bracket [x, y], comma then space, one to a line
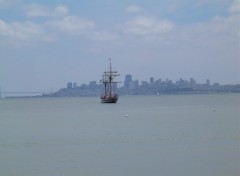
[184, 135]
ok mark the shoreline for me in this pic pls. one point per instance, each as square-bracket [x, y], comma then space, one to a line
[160, 94]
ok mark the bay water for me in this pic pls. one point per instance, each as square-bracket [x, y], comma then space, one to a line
[166, 135]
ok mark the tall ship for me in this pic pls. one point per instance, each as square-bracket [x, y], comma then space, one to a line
[109, 87]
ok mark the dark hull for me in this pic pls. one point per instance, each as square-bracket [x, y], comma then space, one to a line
[109, 99]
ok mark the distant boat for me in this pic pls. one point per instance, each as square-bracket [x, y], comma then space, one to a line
[109, 86]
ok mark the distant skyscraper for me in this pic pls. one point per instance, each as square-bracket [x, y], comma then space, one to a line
[128, 79]
[144, 83]
[69, 85]
[151, 80]
[208, 82]
[192, 81]
[74, 85]
[92, 85]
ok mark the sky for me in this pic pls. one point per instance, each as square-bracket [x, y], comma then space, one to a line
[45, 44]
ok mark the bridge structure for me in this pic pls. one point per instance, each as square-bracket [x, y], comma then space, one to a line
[21, 93]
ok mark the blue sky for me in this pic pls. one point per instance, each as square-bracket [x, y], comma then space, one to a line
[44, 44]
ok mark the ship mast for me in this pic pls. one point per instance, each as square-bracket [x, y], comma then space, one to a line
[108, 77]
[110, 95]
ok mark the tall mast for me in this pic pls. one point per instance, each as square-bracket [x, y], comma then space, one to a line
[110, 78]
[107, 80]
[110, 65]
[110, 95]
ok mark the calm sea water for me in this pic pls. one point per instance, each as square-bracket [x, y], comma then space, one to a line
[173, 135]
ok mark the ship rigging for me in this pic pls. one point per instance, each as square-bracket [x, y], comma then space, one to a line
[109, 86]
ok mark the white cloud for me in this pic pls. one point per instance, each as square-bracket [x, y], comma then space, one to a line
[103, 36]
[213, 2]
[30, 32]
[23, 32]
[133, 9]
[219, 33]
[71, 25]
[4, 29]
[36, 10]
[7, 3]
[61, 10]
[208, 49]
[147, 26]
[235, 7]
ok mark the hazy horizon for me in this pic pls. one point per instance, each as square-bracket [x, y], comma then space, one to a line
[44, 45]
[120, 84]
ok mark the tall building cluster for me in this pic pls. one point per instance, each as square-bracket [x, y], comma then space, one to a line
[167, 86]
[150, 87]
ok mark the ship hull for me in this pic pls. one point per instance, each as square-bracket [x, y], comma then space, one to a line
[109, 99]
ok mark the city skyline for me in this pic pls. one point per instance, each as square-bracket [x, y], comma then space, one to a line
[132, 87]
[129, 78]
[121, 84]
[44, 44]
[151, 87]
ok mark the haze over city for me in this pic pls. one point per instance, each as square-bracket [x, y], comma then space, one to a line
[44, 44]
